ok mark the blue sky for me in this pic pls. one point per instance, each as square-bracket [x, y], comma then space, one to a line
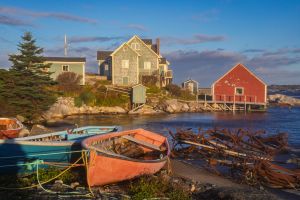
[201, 39]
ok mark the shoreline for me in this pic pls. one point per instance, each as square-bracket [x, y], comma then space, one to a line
[65, 107]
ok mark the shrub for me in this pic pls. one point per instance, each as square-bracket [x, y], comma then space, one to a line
[153, 89]
[68, 82]
[148, 187]
[149, 80]
[174, 90]
[88, 98]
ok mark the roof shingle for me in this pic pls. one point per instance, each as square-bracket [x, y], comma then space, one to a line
[66, 59]
[102, 55]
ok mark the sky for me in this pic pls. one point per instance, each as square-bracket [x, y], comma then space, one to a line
[202, 39]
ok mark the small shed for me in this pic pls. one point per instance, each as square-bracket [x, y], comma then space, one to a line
[138, 94]
[191, 85]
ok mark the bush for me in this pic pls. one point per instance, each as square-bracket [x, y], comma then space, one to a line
[174, 90]
[69, 82]
[88, 98]
[149, 80]
[148, 187]
[153, 89]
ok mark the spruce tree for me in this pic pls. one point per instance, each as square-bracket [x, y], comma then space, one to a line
[29, 89]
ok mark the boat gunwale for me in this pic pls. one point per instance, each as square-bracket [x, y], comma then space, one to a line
[87, 145]
[130, 159]
[25, 140]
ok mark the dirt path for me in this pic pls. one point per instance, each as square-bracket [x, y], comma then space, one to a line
[195, 173]
[189, 171]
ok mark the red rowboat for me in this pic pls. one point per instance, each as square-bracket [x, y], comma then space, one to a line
[10, 128]
[115, 157]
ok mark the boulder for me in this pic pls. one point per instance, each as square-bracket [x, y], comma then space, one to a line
[185, 107]
[24, 132]
[283, 99]
[21, 118]
[38, 129]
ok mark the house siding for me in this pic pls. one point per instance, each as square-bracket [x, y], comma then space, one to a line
[254, 89]
[102, 70]
[118, 72]
[146, 55]
[78, 68]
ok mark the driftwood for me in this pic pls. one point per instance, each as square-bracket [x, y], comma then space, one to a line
[250, 154]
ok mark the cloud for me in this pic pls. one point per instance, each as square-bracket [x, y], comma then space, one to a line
[208, 65]
[196, 39]
[206, 16]
[138, 27]
[253, 51]
[204, 66]
[11, 21]
[273, 60]
[57, 15]
[95, 39]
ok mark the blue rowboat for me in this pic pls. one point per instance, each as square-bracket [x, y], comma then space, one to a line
[20, 155]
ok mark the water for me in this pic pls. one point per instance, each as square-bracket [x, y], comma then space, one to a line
[276, 119]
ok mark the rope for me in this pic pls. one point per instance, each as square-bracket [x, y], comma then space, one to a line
[44, 154]
[33, 186]
[85, 162]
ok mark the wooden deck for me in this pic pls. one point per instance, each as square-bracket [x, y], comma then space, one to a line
[228, 105]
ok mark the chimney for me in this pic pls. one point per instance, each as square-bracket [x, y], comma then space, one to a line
[158, 45]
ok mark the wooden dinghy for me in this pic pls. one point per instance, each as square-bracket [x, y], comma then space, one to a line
[124, 155]
[10, 128]
[58, 147]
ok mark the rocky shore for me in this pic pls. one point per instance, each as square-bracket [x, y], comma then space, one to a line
[65, 106]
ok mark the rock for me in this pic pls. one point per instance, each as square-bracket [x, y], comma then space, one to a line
[283, 99]
[185, 107]
[38, 129]
[74, 185]
[21, 118]
[24, 132]
[59, 182]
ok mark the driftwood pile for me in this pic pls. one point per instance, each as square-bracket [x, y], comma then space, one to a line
[248, 155]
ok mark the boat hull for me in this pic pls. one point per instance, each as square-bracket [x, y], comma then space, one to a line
[19, 155]
[104, 168]
[10, 128]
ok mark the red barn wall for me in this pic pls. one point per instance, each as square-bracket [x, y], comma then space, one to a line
[254, 89]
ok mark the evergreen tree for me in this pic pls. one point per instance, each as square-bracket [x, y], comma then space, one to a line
[28, 89]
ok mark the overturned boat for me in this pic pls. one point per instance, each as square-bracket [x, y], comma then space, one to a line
[124, 155]
[21, 155]
[10, 128]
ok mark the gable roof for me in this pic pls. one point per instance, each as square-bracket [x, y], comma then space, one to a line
[191, 80]
[240, 65]
[65, 59]
[102, 55]
[135, 36]
[121, 46]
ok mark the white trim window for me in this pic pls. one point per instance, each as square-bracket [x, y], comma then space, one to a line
[147, 65]
[135, 46]
[125, 64]
[65, 68]
[106, 67]
[239, 91]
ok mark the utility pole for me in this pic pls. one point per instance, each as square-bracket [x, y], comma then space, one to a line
[66, 46]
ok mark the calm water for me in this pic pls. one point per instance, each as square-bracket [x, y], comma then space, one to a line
[276, 119]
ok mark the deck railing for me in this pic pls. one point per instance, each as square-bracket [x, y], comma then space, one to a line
[235, 98]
